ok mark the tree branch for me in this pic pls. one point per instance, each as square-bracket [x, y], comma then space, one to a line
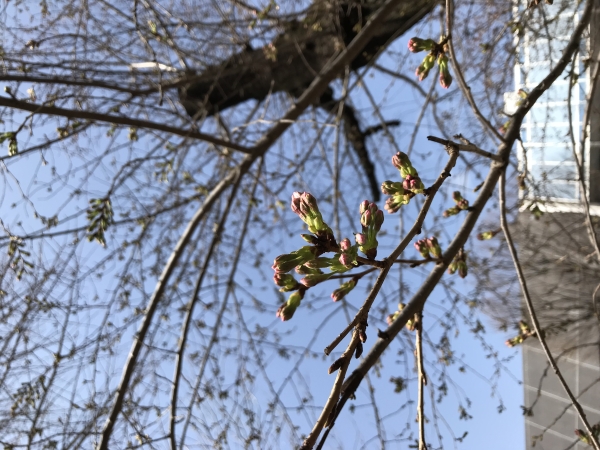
[534, 320]
[119, 120]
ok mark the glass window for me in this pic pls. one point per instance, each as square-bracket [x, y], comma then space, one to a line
[543, 133]
[548, 113]
[540, 50]
[553, 172]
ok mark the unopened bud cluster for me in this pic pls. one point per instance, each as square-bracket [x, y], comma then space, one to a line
[437, 52]
[461, 205]
[410, 323]
[525, 332]
[307, 260]
[429, 248]
[305, 205]
[585, 437]
[371, 219]
[401, 192]
[343, 290]
[487, 235]
[459, 264]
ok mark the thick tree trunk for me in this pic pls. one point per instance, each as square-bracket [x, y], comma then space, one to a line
[295, 57]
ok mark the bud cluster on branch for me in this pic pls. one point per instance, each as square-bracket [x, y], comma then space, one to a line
[308, 260]
[401, 192]
[437, 52]
[525, 332]
[410, 323]
[459, 264]
[461, 205]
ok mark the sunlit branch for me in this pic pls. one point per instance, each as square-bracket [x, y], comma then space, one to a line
[422, 379]
[486, 191]
[534, 319]
[119, 120]
[464, 87]
[389, 261]
[467, 147]
[189, 311]
[216, 327]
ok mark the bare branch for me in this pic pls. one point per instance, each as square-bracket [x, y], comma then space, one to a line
[534, 319]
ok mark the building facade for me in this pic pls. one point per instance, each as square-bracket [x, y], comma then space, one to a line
[555, 250]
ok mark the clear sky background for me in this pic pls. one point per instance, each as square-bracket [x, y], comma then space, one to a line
[468, 379]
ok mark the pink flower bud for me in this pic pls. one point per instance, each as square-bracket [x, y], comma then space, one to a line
[364, 206]
[343, 290]
[422, 248]
[445, 79]
[434, 247]
[361, 239]
[345, 259]
[417, 45]
[345, 244]
[365, 218]
[400, 160]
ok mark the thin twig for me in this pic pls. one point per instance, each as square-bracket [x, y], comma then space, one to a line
[119, 120]
[580, 175]
[214, 335]
[334, 396]
[190, 311]
[533, 315]
[422, 379]
[464, 87]
[161, 285]
[496, 169]
[316, 88]
[466, 148]
[363, 312]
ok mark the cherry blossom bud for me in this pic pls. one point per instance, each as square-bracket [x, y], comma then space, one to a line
[445, 77]
[365, 218]
[287, 310]
[285, 263]
[346, 260]
[305, 205]
[514, 341]
[414, 184]
[361, 239]
[486, 235]
[285, 281]
[392, 188]
[434, 247]
[314, 279]
[451, 211]
[364, 206]
[345, 245]
[393, 204]
[343, 290]
[422, 248]
[417, 45]
[401, 162]
[425, 67]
